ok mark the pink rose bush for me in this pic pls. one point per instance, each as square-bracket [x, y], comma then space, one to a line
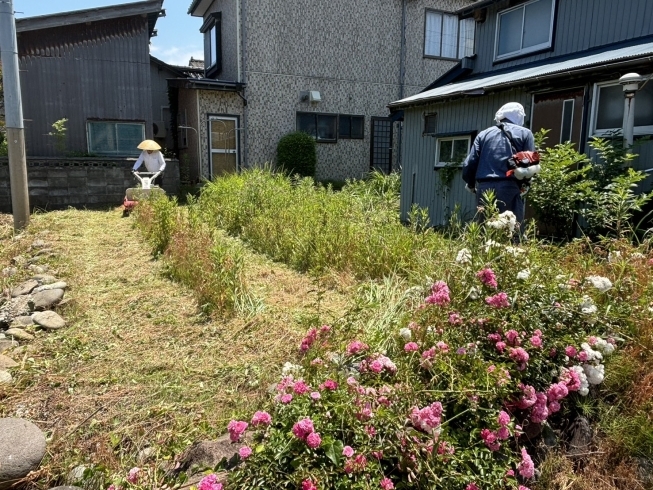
[377, 409]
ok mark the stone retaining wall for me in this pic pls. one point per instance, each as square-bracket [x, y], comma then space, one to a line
[58, 183]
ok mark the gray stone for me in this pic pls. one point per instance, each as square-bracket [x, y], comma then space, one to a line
[76, 474]
[5, 377]
[145, 455]
[22, 321]
[19, 306]
[46, 299]
[7, 362]
[208, 454]
[9, 271]
[19, 334]
[44, 279]
[22, 447]
[19, 260]
[49, 320]
[7, 344]
[38, 244]
[24, 288]
[54, 285]
[38, 269]
[43, 251]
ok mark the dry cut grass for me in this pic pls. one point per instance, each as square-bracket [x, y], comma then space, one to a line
[140, 365]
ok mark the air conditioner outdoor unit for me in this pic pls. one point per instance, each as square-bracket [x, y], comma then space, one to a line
[159, 128]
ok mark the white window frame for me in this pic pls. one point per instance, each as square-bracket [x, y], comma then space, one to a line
[637, 130]
[439, 164]
[522, 51]
[458, 32]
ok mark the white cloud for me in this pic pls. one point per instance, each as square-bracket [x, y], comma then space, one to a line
[177, 55]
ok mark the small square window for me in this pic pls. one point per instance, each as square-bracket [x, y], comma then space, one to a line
[609, 109]
[430, 124]
[452, 151]
[351, 127]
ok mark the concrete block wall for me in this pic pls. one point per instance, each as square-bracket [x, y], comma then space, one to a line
[59, 183]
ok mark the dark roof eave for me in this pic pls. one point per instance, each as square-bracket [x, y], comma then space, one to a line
[517, 83]
[469, 9]
[151, 8]
[206, 84]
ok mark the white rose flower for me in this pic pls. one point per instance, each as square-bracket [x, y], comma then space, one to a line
[515, 251]
[595, 374]
[464, 256]
[290, 368]
[587, 307]
[584, 384]
[406, 334]
[491, 243]
[592, 355]
[506, 220]
[473, 293]
[523, 275]
[601, 283]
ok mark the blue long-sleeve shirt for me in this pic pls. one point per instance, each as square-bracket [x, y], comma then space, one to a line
[488, 158]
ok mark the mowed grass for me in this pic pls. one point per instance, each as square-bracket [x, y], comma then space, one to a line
[140, 365]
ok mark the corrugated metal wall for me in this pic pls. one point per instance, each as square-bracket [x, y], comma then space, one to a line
[579, 25]
[81, 72]
[420, 183]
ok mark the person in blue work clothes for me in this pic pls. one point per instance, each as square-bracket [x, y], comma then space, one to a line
[486, 167]
[153, 160]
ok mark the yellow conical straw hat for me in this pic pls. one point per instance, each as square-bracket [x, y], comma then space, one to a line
[149, 145]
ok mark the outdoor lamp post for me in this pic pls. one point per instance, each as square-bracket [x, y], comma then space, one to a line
[630, 84]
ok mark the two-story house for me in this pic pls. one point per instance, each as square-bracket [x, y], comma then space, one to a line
[561, 59]
[327, 68]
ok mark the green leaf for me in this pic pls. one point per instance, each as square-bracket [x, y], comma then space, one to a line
[334, 452]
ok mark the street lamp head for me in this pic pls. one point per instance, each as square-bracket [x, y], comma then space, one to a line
[630, 82]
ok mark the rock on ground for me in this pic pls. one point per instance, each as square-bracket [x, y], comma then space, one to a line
[22, 447]
[49, 320]
[19, 334]
[5, 378]
[54, 285]
[207, 454]
[7, 363]
[6, 344]
[24, 288]
[46, 299]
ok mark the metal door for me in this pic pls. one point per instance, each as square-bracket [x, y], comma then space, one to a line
[381, 145]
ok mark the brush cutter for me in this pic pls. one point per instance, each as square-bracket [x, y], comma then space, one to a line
[134, 194]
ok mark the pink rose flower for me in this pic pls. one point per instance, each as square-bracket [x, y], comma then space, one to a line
[411, 347]
[236, 429]
[313, 440]
[285, 399]
[209, 482]
[261, 418]
[487, 277]
[499, 300]
[303, 428]
[308, 485]
[503, 418]
[347, 451]
[526, 468]
[329, 384]
[315, 395]
[355, 347]
[300, 387]
[386, 484]
[245, 452]
[133, 475]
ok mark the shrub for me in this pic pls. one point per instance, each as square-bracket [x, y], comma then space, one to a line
[450, 393]
[561, 187]
[297, 154]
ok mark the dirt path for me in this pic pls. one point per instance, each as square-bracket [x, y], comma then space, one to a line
[139, 364]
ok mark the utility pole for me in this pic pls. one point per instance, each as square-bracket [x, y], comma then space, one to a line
[14, 116]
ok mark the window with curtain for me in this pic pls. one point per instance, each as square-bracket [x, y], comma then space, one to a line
[446, 36]
[323, 127]
[524, 29]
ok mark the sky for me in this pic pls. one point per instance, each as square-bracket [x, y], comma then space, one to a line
[178, 37]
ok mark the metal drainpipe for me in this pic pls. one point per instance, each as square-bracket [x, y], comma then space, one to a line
[243, 54]
[402, 73]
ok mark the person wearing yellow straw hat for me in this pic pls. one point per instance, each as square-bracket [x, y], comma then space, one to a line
[152, 158]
